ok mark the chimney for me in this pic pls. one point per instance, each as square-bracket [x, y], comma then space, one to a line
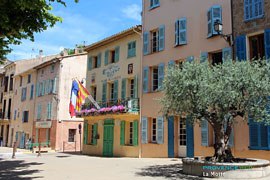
[40, 52]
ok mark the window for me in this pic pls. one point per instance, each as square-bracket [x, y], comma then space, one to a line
[21, 81]
[132, 93]
[25, 116]
[42, 72]
[112, 56]
[154, 4]
[95, 62]
[216, 58]
[154, 79]
[112, 91]
[182, 132]
[11, 82]
[49, 111]
[94, 91]
[32, 91]
[131, 49]
[181, 32]
[6, 84]
[253, 9]
[29, 78]
[15, 114]
[71, 135]
[154, 130]
[213, 14]
[257, 47]
[92, 134]
[23, 94]
[154, 41]
[131, 133]
[52, 68]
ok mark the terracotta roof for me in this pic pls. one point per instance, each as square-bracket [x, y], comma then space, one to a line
[114, 37]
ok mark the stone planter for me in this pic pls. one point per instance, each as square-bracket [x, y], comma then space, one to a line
[252, 168]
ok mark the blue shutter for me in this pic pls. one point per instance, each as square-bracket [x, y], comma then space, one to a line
[151, 4]
[216, 15]
[54, 86]
[23, 116]
[104, 92]
[160, 125]
[123, 89]
[247, 10]
[190, 59]
[22, 89]
[204, 132]
[117, 53]
[231, 135]
[267, 43]
[183, 31]
[264, 136]
[115, 92]
[226, 55]
[190, 138]
[209, 23]
[145, 79]
[156, 2]
[170, 136]
[253, 133]
[32, 91]
[240, 43]
[144, 130]
[99, 60]
[25, 93]
[171, 64]
[160, 76]
[204, 57]
[90, 63]
[15, 114]
[106, 59]
[176, 32]
[146, 43]
[161, 41]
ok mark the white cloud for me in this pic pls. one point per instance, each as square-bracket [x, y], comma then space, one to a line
[133, 12]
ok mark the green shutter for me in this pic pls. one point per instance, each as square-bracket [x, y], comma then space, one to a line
[136, 86]
[39, 112]
[37, 89]
[49, 111]
[160, 76]
[48, 87]
[43, 87]
[160, 125]
[104, 92]
[106, 57]
[123, 88]
[54, 86]
[99, 60]
[95, 134]
[115, 92]
[122, 135]
[135, 133]
[85, 133]
[117, 49]
[90, 63]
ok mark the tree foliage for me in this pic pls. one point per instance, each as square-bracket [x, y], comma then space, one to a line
[218, 94]
[20, 19]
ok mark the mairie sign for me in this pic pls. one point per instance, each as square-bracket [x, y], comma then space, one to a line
[109, 71]
[44, 124]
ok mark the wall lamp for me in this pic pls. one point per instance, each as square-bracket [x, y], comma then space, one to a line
[218, 27]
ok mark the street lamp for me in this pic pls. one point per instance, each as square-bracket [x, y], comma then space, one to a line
[218, 27]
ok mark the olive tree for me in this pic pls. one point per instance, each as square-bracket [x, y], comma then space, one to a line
[218, 94]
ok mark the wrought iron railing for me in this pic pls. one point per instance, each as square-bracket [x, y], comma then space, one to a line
[131, 103]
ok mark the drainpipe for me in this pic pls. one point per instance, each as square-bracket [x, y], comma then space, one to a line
[141, 82]
[35, 97]
[232, 29]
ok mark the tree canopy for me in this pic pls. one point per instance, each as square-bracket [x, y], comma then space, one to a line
[20, 19]
[218, 94]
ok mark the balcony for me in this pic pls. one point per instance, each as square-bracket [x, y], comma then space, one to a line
[128, 105]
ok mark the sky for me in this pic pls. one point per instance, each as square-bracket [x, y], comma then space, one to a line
[85, 22]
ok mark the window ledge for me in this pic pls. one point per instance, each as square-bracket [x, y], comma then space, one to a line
[129, 57]
[90, 144]
[153, 142]
[153, 7]
[179, 45]
[128, 145]
[259, 148]
[254, 18]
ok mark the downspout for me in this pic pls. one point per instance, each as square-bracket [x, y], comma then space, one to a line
[141, 82]
[233, 52]
[34, 96]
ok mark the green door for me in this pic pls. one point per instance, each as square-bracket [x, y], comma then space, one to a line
[108, 138]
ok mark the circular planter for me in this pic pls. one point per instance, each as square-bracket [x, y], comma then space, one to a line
[251, 168]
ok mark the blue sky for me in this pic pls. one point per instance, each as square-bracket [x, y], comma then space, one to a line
[87, 20]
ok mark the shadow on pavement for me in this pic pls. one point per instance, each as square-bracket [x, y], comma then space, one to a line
[172, 171]
[15, 169]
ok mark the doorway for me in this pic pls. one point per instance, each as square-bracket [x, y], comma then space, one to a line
[108, 138]
[182, 139]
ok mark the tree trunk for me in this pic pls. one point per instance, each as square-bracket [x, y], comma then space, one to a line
[222, 149]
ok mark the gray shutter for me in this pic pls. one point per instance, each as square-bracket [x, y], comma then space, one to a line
[54, 86]
[183, 31]
[90, 63]
[176, 32]
[160, 76]
[160, 125]
[99, 60]
[106, 59]
[145, 79]
[115, 92]
[146, 43]
[117, 51]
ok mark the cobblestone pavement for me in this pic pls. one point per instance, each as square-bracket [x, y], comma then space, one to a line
[66, 166]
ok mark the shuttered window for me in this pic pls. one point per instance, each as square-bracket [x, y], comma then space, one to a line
[117, 54]
[161, 38]
[213, 14]
[267, 43]
[135, 133]
[104, 92]
[154, 3]
[146, 43]
[226, 55]
[144, 130]
[253, 9]
[39, 112]
[122, 133]
[106, 59]
[32, 91]
[145, 79]
[99, 60]
[49, 111]
[95, 134]
[240, 44]
[160, 125]
[85, 133]
[131, 49]
[160, 76]
[123, 88]
[182, 31]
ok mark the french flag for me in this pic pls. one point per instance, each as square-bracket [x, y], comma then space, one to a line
[73, 98]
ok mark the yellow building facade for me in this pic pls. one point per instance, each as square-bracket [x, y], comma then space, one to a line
[113, 76]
